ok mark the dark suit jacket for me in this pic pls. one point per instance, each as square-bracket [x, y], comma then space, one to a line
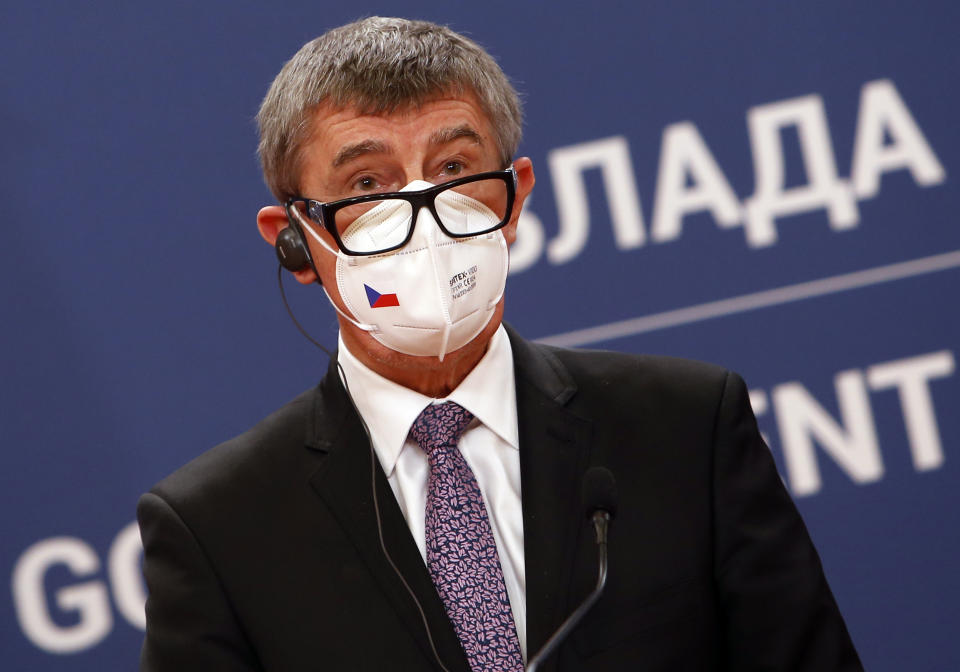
[263, 553]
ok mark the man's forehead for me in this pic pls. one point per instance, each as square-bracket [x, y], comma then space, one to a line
[441, 116]
[374, 145]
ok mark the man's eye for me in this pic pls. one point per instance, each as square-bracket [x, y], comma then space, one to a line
[452, 168]
[366, 183]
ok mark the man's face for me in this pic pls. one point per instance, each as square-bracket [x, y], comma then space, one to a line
[351, 154]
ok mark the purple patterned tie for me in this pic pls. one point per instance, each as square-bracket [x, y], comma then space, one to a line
[461, 552]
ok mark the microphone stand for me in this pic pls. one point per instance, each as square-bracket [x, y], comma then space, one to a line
[601, 519]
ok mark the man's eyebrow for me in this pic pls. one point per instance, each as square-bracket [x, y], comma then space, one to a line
[445, 135]
[357, 149]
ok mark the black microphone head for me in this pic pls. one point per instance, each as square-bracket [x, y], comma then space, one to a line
[599, 491]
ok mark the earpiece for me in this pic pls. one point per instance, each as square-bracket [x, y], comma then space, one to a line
[292, 250]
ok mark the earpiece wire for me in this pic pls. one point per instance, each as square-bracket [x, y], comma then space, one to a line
[373, 470]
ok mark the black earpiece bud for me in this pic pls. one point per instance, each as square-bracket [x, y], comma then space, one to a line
[291, 250]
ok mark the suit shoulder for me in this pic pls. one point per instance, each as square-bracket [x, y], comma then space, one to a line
[606, 367]
[660, 386]
[247, 457]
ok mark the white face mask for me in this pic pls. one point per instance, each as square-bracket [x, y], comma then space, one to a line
[435, 294]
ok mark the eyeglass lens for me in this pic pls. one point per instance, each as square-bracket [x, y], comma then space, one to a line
[465, 210]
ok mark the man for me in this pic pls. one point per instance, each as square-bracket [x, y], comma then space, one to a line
[418, 509]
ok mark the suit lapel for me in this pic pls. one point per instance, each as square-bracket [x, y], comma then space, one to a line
[554, 453]
[343, 483]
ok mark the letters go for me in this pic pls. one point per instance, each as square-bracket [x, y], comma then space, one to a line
[88, 598]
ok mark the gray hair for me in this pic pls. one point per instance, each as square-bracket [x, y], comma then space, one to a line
[378, 65]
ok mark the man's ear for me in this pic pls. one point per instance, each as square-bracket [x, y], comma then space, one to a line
[271, 220]
[525, 181]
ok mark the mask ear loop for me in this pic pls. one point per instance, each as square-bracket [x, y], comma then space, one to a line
[369, 328]
[296, 322]
[308, 227]
[345, 258]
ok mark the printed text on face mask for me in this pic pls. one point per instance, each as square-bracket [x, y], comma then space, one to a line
[463, 282]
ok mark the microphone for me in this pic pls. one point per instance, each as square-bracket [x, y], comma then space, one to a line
[599, 497]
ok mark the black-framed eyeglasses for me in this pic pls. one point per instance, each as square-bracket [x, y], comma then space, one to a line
[377, 223]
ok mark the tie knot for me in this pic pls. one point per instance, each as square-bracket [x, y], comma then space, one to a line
[440, 425]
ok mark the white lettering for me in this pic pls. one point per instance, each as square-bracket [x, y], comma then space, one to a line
[126, 576]
[853, 445]
[760, 403]
[883, 113]
[612, 156]
[910, 376]
[88, 599]
[683, 153]
[823, 189]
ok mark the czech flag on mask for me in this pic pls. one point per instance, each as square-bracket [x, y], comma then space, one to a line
[378, 300]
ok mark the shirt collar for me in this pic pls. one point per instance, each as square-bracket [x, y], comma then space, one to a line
[490, 392]
[389, 409]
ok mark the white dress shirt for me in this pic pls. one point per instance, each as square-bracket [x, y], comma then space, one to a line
[490, 446]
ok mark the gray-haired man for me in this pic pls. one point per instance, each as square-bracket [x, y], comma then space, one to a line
[417, 510]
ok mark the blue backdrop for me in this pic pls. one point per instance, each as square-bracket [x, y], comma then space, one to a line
[764, 185]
